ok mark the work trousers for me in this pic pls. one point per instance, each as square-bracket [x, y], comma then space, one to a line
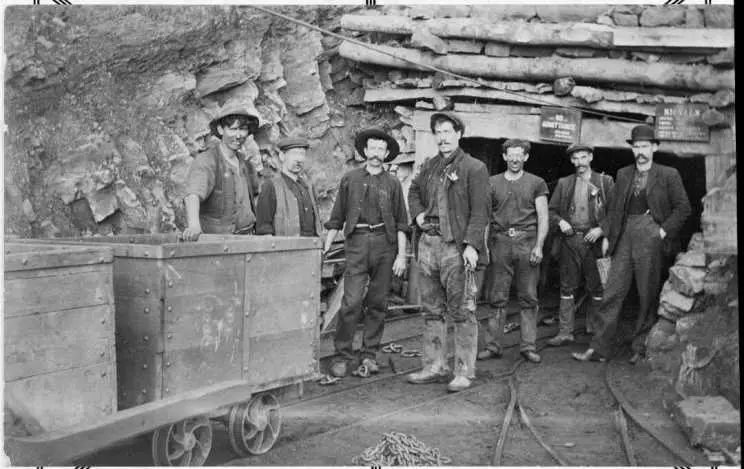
[579, 259]
[510, 260]
[442, 281]
[638, 254]
[369, 263]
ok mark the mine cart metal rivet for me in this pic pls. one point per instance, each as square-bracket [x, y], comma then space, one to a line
[147, 254]
[226, 249]
[147, 291]
[103, 321]
[170, 308]
[144, 366]
[167, 364]
[170, 283]
[101, 260]
[24, 261]
[146, 338]
[173, 253]
[147, 309]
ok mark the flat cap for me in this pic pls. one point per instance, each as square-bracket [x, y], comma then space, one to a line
[450, 116]
[287, 143]
[574, 147]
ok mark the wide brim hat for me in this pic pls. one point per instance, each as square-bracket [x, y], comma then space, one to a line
[288, 143]
[360, 142]
[574, 147]
[642, 132]
[450, 116]
[404, 158]
[236, 109]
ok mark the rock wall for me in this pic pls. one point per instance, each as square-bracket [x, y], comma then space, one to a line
[103, 105]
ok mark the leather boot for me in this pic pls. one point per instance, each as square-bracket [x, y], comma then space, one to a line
[566, 318]
[434, 359]
[494, 335]
[466, 347]
[592, 314]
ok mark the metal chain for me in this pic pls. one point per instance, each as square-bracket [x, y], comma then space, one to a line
[399, 449]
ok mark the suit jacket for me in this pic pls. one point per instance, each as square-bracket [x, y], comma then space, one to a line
[667, 202]
[561, 202]
[467, 198]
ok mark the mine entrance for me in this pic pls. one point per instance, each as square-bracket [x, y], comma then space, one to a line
[549, 161]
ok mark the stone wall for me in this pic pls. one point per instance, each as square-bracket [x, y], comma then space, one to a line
[103, 103]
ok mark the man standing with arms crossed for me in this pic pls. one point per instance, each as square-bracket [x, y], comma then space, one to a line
[370, 209]
[578, 207]
[519, 225]
[448, 203]
[648, 209]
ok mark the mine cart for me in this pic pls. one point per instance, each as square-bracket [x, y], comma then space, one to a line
[203, 331]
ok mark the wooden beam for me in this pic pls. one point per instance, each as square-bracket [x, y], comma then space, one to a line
[401, 94]
[547, 68]
[550, 34]
[595, 132]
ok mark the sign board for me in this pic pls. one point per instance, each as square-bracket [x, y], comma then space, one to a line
[681, 122]
[560, 125]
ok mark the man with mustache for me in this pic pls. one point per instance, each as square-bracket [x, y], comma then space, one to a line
[578, 207]
[448, 203]
[222, 185]
[519, 225]
[370, 209]
[286, 205]
[648, 210]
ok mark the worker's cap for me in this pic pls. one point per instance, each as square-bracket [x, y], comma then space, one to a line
[450, 116]
[360, 142]
[235, 109]
[574, 147]
[287, 143]
[642, 132]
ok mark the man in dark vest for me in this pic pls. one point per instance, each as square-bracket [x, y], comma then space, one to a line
[449, 203]
[222, 185]
[648, 210]
[370, 210]
[286, 205]
[578, 208]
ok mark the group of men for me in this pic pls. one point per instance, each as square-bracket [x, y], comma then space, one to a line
[464, 220]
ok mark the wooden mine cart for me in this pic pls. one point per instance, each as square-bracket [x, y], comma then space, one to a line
[203, 331]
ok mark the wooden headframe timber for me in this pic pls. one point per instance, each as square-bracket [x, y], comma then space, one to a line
[697, 78]
[595, 132]
[549, 34]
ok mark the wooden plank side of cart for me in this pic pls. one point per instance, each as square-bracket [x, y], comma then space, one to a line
[51, 448]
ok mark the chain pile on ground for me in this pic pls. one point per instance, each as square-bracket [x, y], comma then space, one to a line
[399, 449]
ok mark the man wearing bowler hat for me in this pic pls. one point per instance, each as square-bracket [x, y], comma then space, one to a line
[578, 207]
[286, 205]
[648, 209]
[222, 185]
[448, 201]
[370, 210]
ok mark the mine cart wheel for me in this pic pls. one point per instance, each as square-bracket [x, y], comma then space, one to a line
[186, 443]
[253, 427]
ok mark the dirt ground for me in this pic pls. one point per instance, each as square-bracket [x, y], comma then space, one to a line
[567, 401]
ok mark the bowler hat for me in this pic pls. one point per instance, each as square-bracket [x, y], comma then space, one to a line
[450, 116]
[642, 132]
[360, 142]
[293, 142]
[574, 147]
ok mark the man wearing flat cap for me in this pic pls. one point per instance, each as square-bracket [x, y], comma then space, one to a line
[518, 228]
[222, 185]
[578, 208]
[370, 210]
[286, 205]
[448, 202]
[648, 210]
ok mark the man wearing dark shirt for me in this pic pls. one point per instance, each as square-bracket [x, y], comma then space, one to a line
[648, 209]
[448, 201]
[286, 205]
[370, 209]
[519, 225]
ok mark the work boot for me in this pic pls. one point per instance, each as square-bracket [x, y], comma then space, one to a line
[371, 365]
[566, 318]
[466, 347]
[494, 335]
[592, 314]
[434, 358]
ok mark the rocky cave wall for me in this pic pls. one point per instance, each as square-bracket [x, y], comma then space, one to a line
[101, 104]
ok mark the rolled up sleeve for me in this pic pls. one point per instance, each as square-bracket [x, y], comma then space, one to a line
[399, 209]
[200, 181]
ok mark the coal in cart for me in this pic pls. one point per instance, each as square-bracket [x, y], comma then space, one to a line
[204, 331]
